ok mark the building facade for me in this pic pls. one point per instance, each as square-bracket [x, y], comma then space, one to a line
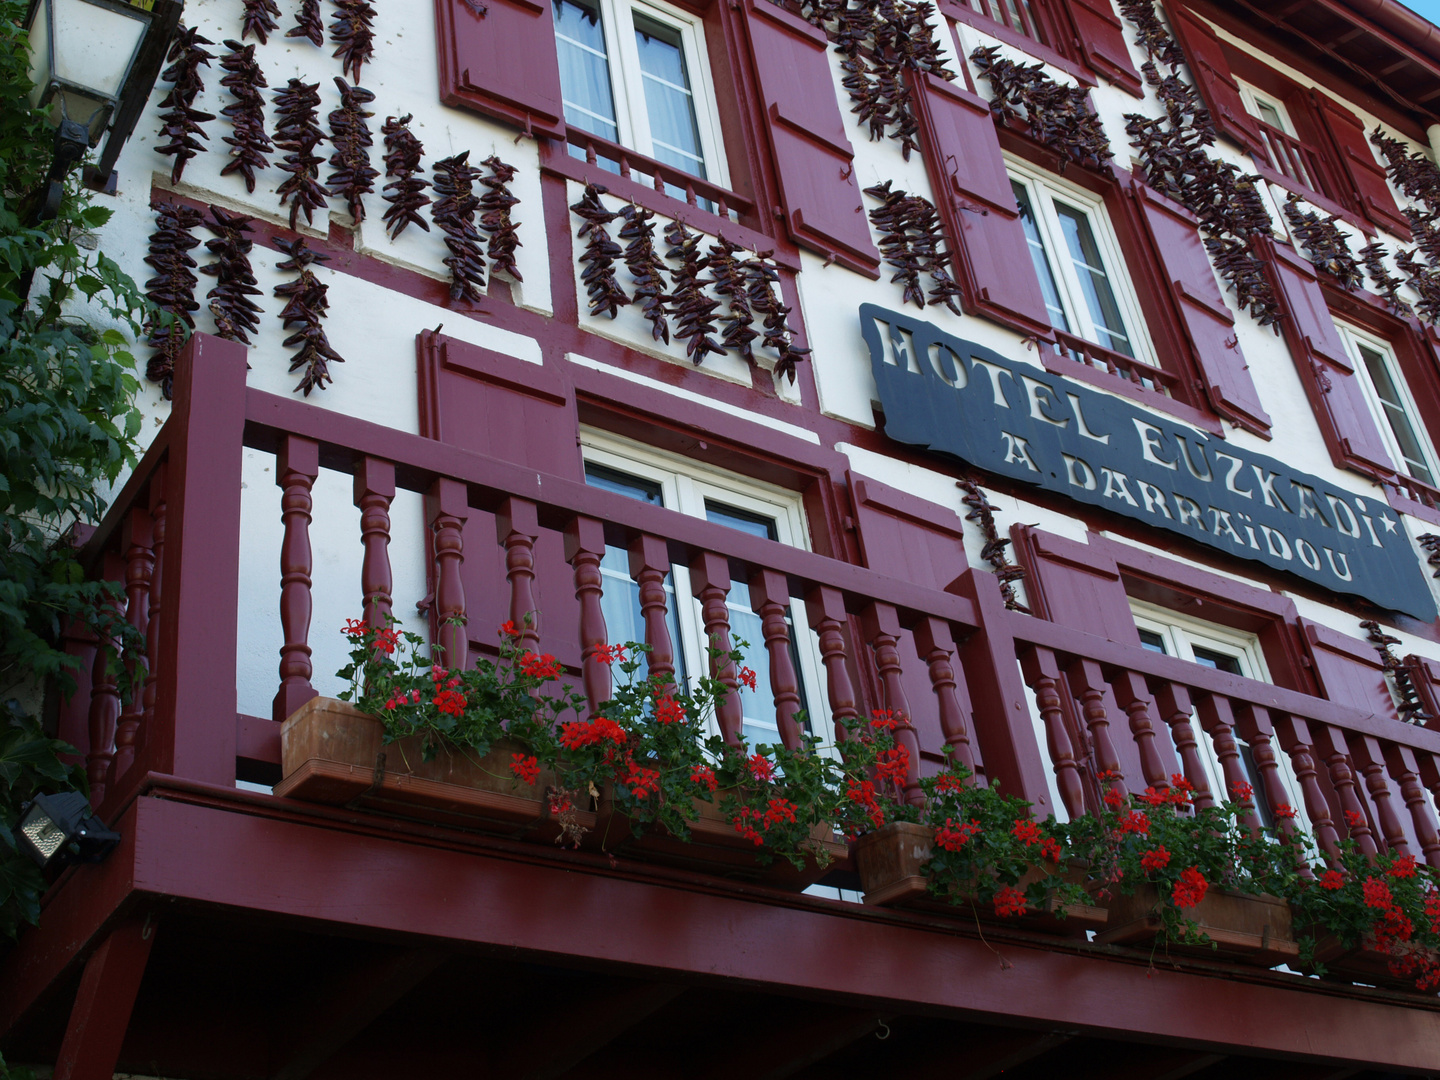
[1044, 365]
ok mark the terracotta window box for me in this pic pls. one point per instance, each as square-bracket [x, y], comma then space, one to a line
[1245, 929]
[1364, 964]
[330, 752]
[889, 862]
[714, 847]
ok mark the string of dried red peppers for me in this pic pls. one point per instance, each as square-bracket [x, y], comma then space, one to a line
[406, 191]
[235, 313]
[305, 308]
[181, 122]
[297, 131]
[454, 213]
[172, 289]
[352, 176]
[249, 146]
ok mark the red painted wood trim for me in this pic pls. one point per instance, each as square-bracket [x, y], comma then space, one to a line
[791, 946]
[257, 738]
[1078, 372]
[961, 12]
[193, 734]
[931, 515]
[101, 1012]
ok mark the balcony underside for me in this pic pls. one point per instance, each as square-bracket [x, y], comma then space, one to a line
[291, 941]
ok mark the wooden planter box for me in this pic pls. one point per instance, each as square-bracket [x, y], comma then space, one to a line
[1363, 964]
[331, 752]
[1245, 929]
[889, 862]
[714, 847]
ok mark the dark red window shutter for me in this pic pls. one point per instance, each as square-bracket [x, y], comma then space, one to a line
[975, 200]
[814, 162]
[502, 63]
[1073, 584]
[1217, 86]
[1358, 167]
[1348, 670]
[1207, 322]
[1326, 369]
[1102, 43]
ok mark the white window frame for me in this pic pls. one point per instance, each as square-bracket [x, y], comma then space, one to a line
[627, 87]
[1354, 338]
[1181, 634]
[685, 484]
[1252, 99]
[1043, 189]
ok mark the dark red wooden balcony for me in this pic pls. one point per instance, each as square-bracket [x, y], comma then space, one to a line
[324, 923]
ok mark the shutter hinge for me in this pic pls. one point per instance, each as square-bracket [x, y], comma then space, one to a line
[778, 212]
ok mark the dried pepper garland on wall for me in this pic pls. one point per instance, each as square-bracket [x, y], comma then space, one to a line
[762, 277]
[982, 512]
[728, 278]
[495, 219]
[694, 309]
[911, 241]
[1387, 284]
[230, 300]
[309, 23]
[1325, 244]
[259, 19]
[1414, 174]
[305, 307]
[880, 40]
[604, 291]
[454, 213]
[1419, 178]
[249, 145]
[646, 269]
[1227, 202]
[353, 32]
[406, 191]
[172, 289]
[1058, 116]
[352, 175]
[297, 131]
[1410, 707]
[181, 121]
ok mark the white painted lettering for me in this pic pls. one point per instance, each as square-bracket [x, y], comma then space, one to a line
[1267, 488]
[1115, 487]
[993, 373]
[1223, 525]
[1079, 473]
[1282, 551]
[1151, 440]
[1370, 528]
[1040, 397]
[1308, 555]
[1343, 575]
[1235, 465]
[1080, 425]
[1017, 451]
[1153, 497]
[1344, 517]
[1308, 507]
[1207, 475]
[1190, 512]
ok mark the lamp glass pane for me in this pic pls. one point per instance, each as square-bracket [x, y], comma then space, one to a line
[95, 45]
[40, 52]
[44, 835]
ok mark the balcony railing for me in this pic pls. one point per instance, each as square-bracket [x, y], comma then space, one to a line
[174, 538]
[1136, 372]
[1296, 161]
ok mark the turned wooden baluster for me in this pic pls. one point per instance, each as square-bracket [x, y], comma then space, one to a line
[649, 564]
[1218, 720]
[936, 645]
[1087, 682]
[1132, 695]
[1370, 760]
[1294, 735]
[296, 467]
[1253, 723]
[1333, 750]
[448, 507]
[825, 609]
[1042, 675]
[881, 623]
[584, 548]
[138, 541]
[104, 695]
[1405, 768]
[1430, 777]
[1173, 701]
[374, 492]
[517, 527]
[770, 596]
[710, 581]
[157, 577]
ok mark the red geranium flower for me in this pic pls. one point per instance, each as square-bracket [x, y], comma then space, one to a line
[608, 654]
[1242, 791]
[1190, 889]
[643, 782]
[507, 629]
[779, 810]
[576, 734]
[1114, 798]
[355, 628]
[1157, 859]
[883, 718]
[1009, 901]
[1027, 831]
[1354, 819]
[540, 666]
[760, 768]
[747, 677]
[669, 711]
[1134, 822]
[743, 825]
[1332, 880]
[948, 782]
[704, 776]
[450, 701]
[1377, 894]
[1050, 849]
[953, 837]
[1403, 867]
[526, 768]
[386, 640]
[1284, 810]
[893, 765]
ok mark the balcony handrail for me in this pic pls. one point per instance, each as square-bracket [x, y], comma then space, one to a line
[1298, 162]
[1114, 363]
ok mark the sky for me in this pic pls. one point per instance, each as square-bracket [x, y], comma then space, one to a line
[1430, 9]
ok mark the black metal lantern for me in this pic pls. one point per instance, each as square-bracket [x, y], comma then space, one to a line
[93, 64]
[58, 830]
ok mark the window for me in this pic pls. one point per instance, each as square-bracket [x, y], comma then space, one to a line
[1286, 151]
[724, 499]
[1077, 260]
[1223, 649]
[1394, 409]
[637, 75]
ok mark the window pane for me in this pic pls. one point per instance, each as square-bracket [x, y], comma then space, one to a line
[620, 596]
[1039, 257]
[1393, 405]
[1269, 114]
[1218, 660]
[668, 100]
[1152, 641]
[1094, 282]
[584, 69]
[754, 524]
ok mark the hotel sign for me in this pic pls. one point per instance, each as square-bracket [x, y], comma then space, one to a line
[963, 399]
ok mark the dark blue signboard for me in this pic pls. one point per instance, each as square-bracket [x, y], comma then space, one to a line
[960, 398]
